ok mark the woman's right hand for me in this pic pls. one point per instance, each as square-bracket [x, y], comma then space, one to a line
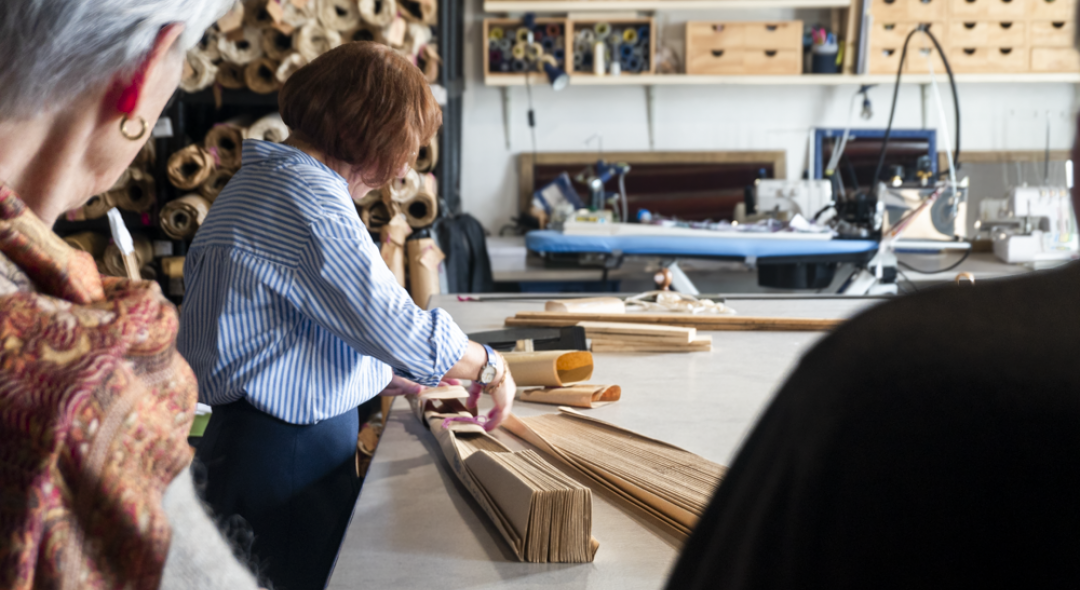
[503, 396]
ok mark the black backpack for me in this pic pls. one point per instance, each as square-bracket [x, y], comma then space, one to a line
[468, 268]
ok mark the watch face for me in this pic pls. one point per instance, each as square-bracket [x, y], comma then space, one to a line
[488, 374]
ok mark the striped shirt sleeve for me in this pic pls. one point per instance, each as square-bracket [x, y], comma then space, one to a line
[345, 287]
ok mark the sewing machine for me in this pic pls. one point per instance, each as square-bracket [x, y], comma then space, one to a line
[1032, 224]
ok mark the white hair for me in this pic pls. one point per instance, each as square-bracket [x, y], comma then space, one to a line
[54, 50]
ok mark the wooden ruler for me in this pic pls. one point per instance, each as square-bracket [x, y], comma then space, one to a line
[546, 319]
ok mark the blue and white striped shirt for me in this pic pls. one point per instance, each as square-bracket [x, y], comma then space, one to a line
[288, 302]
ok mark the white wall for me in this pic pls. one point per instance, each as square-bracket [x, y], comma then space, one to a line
[994, 117]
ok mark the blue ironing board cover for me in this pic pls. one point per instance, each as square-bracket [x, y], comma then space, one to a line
[548, 241]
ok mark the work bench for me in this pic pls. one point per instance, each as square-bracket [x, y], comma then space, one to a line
[415, 526]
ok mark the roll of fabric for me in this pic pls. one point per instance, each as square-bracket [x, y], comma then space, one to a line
[403, 189]
[90, 242]
[269, 128]
[207, 47]
[244, 50]
[421, 209]
[276, 45]
[373, 196]
[374, 215]
[392, 245]
[378, 12]
[213, 185]
[148, 272]
[428, 156]
[424, 259]
[146, 156]
[261, 75]
[257, 16]
[428, 61]
[364, 32]
[313, 40]
[137, 194]
[230, 76]
[419, 11]
[97, 206]
[289, 65]
[296, 16]
[224, 142]
[338, 15]
[199, 72]
[190, 167]
[416, 37]
[181, 218]
[113, 259]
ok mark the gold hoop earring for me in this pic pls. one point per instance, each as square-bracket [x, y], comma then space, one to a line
[143, 127]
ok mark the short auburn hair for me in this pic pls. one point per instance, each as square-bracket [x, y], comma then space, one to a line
[364, 105]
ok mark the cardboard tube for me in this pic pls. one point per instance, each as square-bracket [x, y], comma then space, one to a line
[587, 305]
[97, 206]
[181, 218]
[213, 185]
[424, 259]
[114, 260]
[373, 196]
[242, 50]
[199, 72]
[403, 189]
[276, 45]
[549, 368]
[289, 65]
[261, 75]
[338, 15]
[90, 242]
[422, 209]
[137, 195]
[374, 215]
[378, 12]
[419, 11]
[269, 128]
[578, 396]
[225, 142]
[190, 167]
[313, 40]
[392, 239]
[428, 156]
[230, 76]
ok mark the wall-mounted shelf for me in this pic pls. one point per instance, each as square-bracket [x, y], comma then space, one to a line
[802, 80]
[513, 6]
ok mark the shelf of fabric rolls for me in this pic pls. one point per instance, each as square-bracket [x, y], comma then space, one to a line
[798, 80]
[560, 6]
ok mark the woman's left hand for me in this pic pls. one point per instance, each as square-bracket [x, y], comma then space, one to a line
[503, 396]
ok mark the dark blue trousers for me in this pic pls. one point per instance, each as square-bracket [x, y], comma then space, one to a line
[294, 485]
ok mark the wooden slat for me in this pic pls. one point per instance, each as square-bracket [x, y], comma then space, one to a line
[542, 319]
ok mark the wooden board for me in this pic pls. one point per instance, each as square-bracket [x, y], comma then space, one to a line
[542, 319]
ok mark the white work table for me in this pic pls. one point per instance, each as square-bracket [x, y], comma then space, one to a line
[415, 526]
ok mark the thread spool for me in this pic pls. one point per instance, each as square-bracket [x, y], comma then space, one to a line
[539, 35]
[506, 45]
[518, 65]
[548, 44]
[495, 56]
[377, 12]
[559, 54]
[643, 35]
[630, 36]
[634, 64]
[424, 259]
[602, 30]
[215, 184]
[181, 218]
[519, 51]
[625, 52]
[534, 51]
[496, 33]
[190, 167]
[504, 67]
[599, 54]
[522, 35]
[554, 30]
[579, 61]
[586, 36]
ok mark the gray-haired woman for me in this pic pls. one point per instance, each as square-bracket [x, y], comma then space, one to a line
[95, 403]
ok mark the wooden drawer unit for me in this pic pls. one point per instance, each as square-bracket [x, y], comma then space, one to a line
[883, 60]
[989, 9]
[892, 34]
[917, 61]
[744, 47]
[908, 10]
[773, 61]
[988, 59]
[1059, 10]
[1055, 59]
[1045, 33]
[783, 35]
[889, 10]
[719, 61]
[701, 36]
[987, 34]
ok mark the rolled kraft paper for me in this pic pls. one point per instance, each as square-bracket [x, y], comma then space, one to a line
[261, 75]
[396, 32]
[289, 65]
[417, 36]
[276, 45]
[89, 242]
[269, 128]
[375, 215]
[146, 156]
[244, 50]
[444, 392]
[378, 12]
[122, 181]
[422, 209]
[578, 396]
[419, 11]
[339, 15]
[313, 40]
[207, 47]
[148, 273]
[114, 259]
[181, 218]
[224, 142]
[190, 167]
[549, 368]
[256, 14]
[403, 189]
[97, 206]
[424, 260]
[297, 16]
[199, 72]
[137, 195]
[373, 196]
[230, 76]
[392, 241]
[364, 32]
[428, 61]
[428, 156]
[587, 305]
[214, 185]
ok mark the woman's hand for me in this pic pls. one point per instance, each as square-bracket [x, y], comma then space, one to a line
[402, 386]
[503, 396]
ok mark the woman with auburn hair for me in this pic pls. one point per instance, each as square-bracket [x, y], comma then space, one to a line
[291, 318]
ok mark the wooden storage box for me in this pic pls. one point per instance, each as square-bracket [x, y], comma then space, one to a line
[989, 9]
[630, 40]
[893, 34]
[987, 33]
[908, 10]
[1055, 59]
[883, 60]
[988, 59]
[758, 48]
[918, 61]
[1053, 33]
[507, 56]
[1058, 10]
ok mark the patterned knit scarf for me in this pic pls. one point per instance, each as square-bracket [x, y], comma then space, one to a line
[95, 407]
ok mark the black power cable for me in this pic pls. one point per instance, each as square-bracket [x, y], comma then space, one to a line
[922, 28]
[937, 270]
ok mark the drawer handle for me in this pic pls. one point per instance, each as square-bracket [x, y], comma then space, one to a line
[1005, 50]
[770, 53]
[969, 26]
[1006, 1]
[970, 1]
[888, 52]
[926, 1]
[969, 52]
[717, 52]
[1006, 25]
[1058, 25]
[890, 27]
[890, 1]
[718, 28]
[1049, 1]
[771, 28]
